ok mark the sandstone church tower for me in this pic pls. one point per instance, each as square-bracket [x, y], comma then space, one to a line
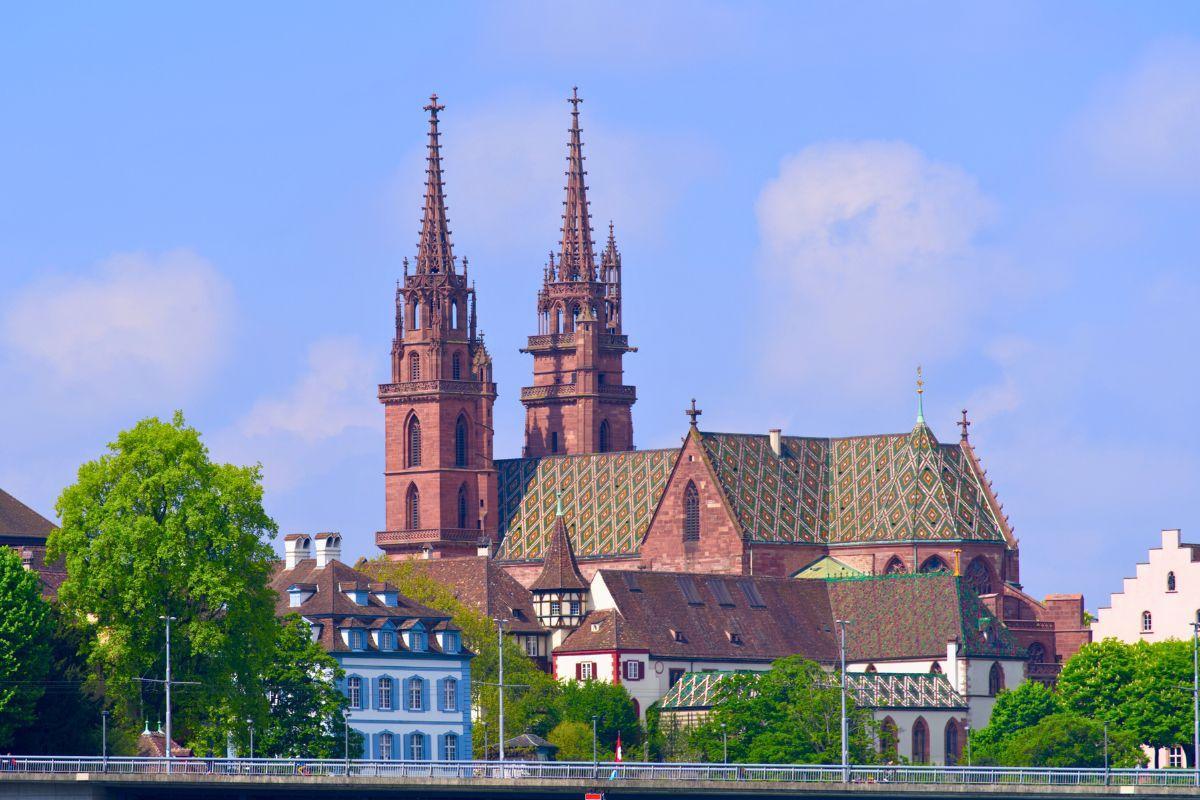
[440, 481]
[578, 402]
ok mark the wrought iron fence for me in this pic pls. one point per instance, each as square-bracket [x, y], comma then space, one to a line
[300, 768]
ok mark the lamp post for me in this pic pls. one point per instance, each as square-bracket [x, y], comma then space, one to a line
[967, 725]
[250, 725]
[724, 744]
[1196, 702]
[346, 736]
[842, 623]
[595, 758]
[1106, 754]
[104, 737]
[500, 689]
[167, 744]
[483, 722]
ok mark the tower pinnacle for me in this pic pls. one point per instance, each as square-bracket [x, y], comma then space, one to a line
[434, 253]
[577, 261]
[920, 397]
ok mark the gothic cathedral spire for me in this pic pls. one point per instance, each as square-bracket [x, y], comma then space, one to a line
[439, 474]
[578, 402]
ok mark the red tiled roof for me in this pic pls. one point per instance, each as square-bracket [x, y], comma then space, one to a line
[481, 584]
[559, 570]
[18, 519]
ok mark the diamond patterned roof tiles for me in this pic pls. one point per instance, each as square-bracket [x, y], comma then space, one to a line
[883, 690]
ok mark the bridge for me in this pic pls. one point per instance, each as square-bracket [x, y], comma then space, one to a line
[96, 778]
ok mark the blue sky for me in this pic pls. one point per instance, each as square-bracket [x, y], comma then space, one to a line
[205, 207]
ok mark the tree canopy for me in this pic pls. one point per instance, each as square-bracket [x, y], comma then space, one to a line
[788, 714]
[154, 528]
[1065, 739]
[25, 632]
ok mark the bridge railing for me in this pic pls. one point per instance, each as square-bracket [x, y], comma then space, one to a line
[224, 768]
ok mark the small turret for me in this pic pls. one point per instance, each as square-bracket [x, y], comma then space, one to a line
[560, 592]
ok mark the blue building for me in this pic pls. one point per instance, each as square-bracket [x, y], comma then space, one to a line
[408, 676]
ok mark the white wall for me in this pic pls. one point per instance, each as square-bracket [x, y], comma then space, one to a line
[1171, 612]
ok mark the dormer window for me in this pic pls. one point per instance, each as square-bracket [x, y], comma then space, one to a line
[416, 641]
[678, 636]
[450, 642]
[356, 639]
[735, 638]
[387, 640]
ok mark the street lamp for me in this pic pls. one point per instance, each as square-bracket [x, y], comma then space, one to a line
[346, 735]
[167, 745]
[595, 758]
[842, 623]
[967, 725]
[500, 690]
[250, 724]
[1106, 753]
[1196, 702]
[104, 737]
[483, 722]
[724, 744]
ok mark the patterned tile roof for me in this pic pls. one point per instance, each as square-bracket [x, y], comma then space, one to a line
[609, 499]
[894, 487]
[559, 570]
[883, 690]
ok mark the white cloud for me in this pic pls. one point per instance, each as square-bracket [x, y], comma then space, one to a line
[504, 168]
[1145, 127]
[138, 325]
[869, 264]
[327, 400]
[324, 421]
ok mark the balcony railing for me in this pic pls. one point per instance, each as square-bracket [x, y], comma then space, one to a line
[1028, 625]
[557, 390]
[482, 773]
[421, 535]
[550, 341]
[410, 388]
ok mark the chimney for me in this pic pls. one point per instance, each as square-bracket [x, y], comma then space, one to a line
[484, 548]
[776, 437]
[329, 548]
[427, 552]
[296, 548]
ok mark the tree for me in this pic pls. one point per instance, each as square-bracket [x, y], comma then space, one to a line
[305, 703]
[530, 696]
[1015, 710]
[154, 527]
[1069, 740]
[610, 703]
[574, 743]
[66, 720]
[669, 740]
[25, 629]
[788, 714]
[1095, 681]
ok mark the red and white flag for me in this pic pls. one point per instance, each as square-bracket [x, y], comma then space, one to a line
[618, 746]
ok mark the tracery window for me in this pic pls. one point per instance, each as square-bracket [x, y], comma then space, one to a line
[462, 506]
[894, 566]
[414, 442]
[460, 442]
[920, 742]
[995, 679]
[951, 742]
[456, 367]
[935, 564]
[889, 738]
[691, 513]
[603, 436]
[412, 505]
[979, 577]
[414, 367]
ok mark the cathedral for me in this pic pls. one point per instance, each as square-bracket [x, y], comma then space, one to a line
[582, 499]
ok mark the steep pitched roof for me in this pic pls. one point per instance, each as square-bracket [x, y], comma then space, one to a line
[610, 499]
[330, 607]
[18, 519]
[894, 487]
[481, 584]
[559, 570]
[826, 567]
[883, 690]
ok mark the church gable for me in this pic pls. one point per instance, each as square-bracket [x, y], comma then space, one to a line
[608, 497]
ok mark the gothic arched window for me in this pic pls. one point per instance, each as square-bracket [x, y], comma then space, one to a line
[894, 566]
[414, 442]
[920, 742]
[1037, 653]
[412, 508]
[935, 564]
[1170, 581]
[952, 743]
[871, 669]
[691, 513]
[558, 326]
[454, 314]
[995, 679]
[414, 367]
[460, 442]
[979, 576]
[462, 506]
[935, 668]
[456, 367]
[603, 436]
[416, 315]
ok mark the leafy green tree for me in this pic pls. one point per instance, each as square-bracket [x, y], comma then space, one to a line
[788, 714]
[154, 527]
[530, 697]
[67, 718]
[1095, 681]
[612, 706]
[1069, 740]
[1015, 710]
[574, 743]
[669, 740]
[25, 630]
[306, 706]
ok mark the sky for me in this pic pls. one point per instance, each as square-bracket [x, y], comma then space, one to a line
[205, 207]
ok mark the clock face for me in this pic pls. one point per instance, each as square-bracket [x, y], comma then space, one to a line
[658, 667]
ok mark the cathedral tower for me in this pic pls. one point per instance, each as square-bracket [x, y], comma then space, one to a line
[440, 482]
[578, 402]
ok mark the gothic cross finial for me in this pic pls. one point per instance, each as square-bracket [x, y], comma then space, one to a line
[433, 108]
[693, 412]
[964, 424]
[574, 99]
[920, 395]
[434, 252]
[558, 503]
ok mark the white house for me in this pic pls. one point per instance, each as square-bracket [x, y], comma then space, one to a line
[1161, 600]
[408, 677]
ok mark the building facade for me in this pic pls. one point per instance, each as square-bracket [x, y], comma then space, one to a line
[408, 676]
[1162, 599]
[25, 531]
